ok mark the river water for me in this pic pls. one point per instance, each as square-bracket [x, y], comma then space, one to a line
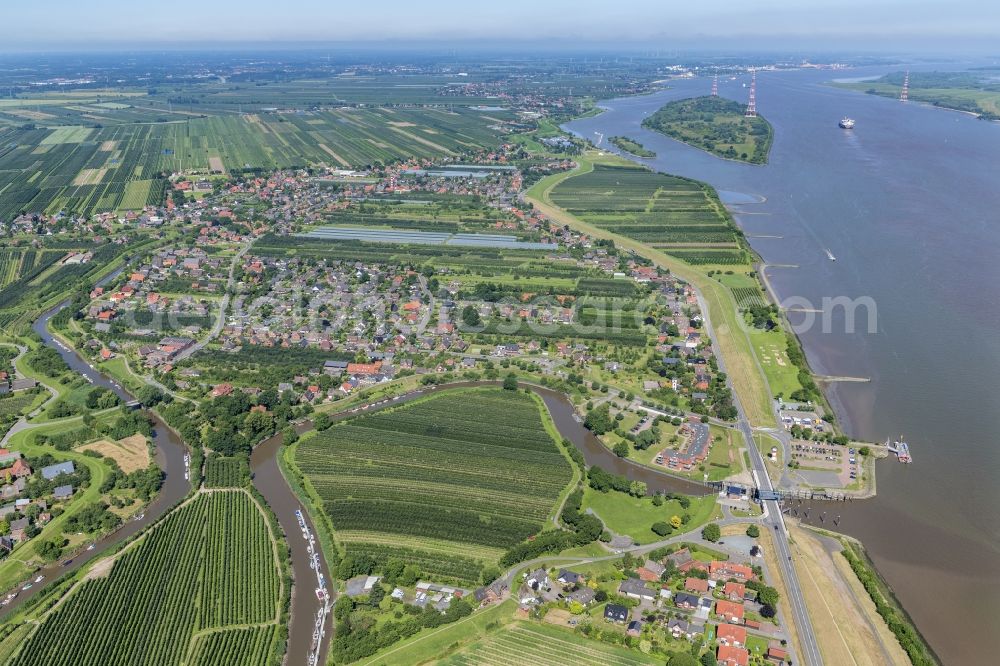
[909, 205]
[170, 452]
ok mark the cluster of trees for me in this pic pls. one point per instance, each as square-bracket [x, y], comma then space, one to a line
[94, 517]
[707, 122]
[50, 550]
[47, 361]
[470, 316]
[664, 528]
[128, 424]
[63, 408]
[763, 316]
[145, 482]
[809, 390]
[599, 420]
[357, 636]
[798, 432]
[101, 398]
[646, 438]
[394, 571]
[603, 481]
[229, 425]
[711, 532]
[683, 500]
[688, 659]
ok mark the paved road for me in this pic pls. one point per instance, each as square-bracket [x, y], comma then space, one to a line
[22, 423]
[688, 537]
[808, 647]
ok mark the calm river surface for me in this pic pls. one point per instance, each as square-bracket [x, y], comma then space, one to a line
[909, 204]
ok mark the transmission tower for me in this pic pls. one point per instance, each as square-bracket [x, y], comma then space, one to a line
[715, 86]
[904, 94]
[752, 104]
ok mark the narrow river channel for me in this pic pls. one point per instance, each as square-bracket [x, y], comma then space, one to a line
[268, 479]
[170, 452]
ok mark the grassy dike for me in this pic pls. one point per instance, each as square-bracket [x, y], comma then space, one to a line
[886, 605]
[869, 603]
[730, 332]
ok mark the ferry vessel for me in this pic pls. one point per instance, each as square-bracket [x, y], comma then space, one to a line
[847, 123]
[901, 449]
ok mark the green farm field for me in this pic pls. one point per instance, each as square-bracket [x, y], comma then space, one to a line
[43, 277]
[225, 472]
[532, 643]
[772, 353]
[16, 403]
[85, 169]
[204, 579]
[419, 483]
[678, 215]
[770, 346]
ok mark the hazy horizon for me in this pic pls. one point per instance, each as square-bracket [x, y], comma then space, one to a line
[873, 25]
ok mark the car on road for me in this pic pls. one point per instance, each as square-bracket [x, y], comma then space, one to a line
[40, 579]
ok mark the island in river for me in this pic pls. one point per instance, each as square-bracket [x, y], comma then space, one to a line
[716, 125]
[631, 146]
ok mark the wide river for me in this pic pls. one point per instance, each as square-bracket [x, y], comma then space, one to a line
[909, 205]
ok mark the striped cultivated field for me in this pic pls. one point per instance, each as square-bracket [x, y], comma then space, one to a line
[80, 169]
[540, 645]
[679, 216]
[447, 483]
[203, 587]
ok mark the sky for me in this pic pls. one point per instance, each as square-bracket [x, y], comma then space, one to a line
[761, 24]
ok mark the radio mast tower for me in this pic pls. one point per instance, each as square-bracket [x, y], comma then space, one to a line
[715, 86]
[752, 104]
[904, 94]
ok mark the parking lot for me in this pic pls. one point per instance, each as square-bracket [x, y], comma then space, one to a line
[826, 465]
